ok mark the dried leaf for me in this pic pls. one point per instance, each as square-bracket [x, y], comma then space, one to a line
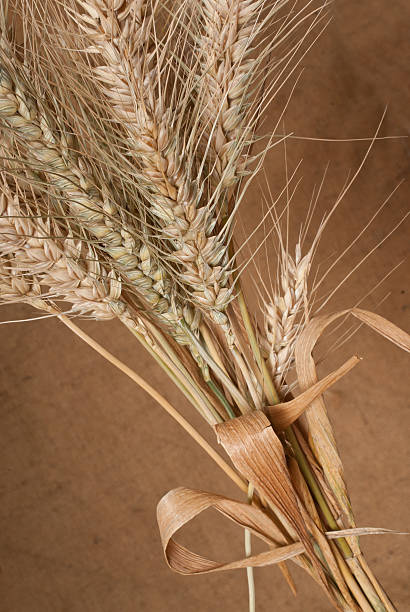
[257, 453]
[301, 488]
[320, 430]
[384, 327]
[181, 505]
[361, 531]
[283, 415]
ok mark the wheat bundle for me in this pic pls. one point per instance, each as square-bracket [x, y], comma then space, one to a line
[129, 138]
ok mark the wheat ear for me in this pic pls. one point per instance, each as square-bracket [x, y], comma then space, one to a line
[38, 268]
[66, 267]
[227, 32]
[131, 83]
[72, 177]
[282, 313]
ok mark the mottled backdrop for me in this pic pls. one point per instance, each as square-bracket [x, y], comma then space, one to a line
[85, 456]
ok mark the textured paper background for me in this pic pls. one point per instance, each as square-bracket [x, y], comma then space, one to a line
[85, 456]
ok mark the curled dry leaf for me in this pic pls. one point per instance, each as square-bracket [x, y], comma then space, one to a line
[181, 505]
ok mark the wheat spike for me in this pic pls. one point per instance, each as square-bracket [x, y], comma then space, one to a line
[69, 270]
[99, 214]
[39, 269]
[130, 82]
[228, 30]
[282, 313]
[72, 177]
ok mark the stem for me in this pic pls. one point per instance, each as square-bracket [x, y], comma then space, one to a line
[191, 394]
[315, 490]
[350, 580]
[221, 398]
[366, 584]
[213, 404]
[361, 576]
[160, 399]
[210, 345]
[380, 591]
[248, 552]
[247, 375]
[172, 365]
[270, 390]
[233, 390]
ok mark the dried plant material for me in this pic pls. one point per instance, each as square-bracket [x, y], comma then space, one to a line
[384, 327]
[320, 431]
[130, 81]
[64, 267]
[180, 506]
[127, 129]
[257, 453]
[282, 314]
[71, 177]
[302, 490]
[361, 531]
[228, 33]
[283, 415]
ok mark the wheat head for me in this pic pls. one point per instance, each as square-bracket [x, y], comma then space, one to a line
[130, 81]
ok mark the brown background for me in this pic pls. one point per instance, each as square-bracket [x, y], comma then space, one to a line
[85, 456]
